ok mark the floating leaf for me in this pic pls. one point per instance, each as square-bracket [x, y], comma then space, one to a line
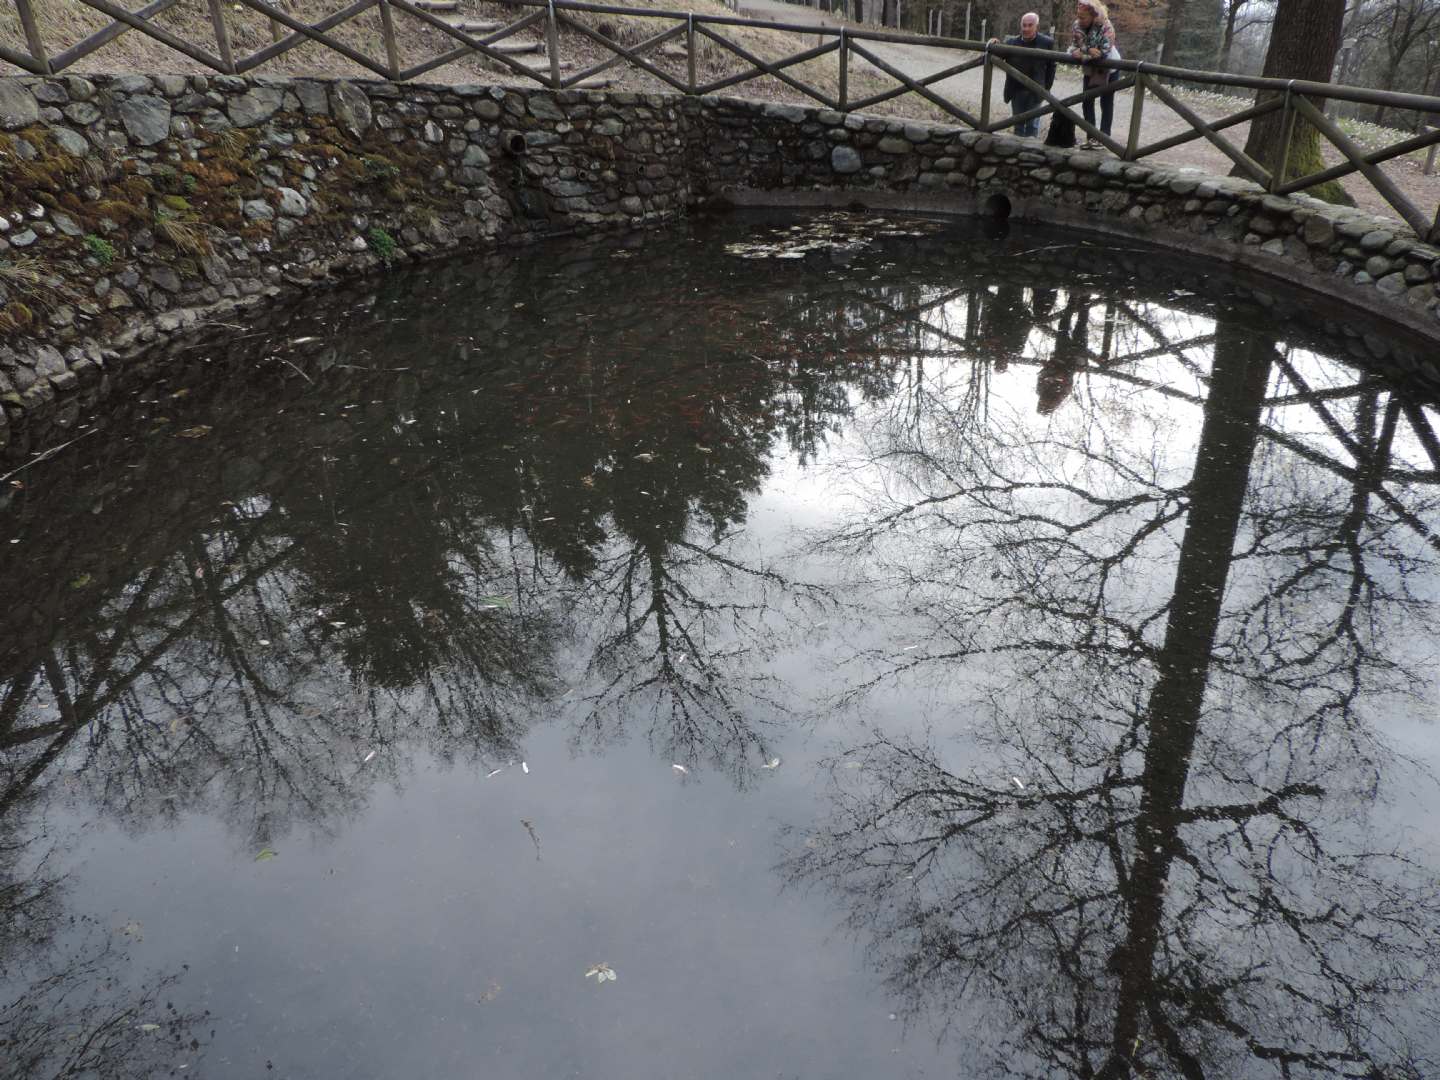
[525, 767]
[367, 758]
[681, 769]
[495, 601]
[266, 855]
[199, 431]
[81, 581]
[773, 763]
[149, 1027]
[603, 973]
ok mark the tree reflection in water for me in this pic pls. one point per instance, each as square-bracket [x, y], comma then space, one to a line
[1163, 859]
[485, 515]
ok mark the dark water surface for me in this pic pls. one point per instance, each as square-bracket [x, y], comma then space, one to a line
[890, 651]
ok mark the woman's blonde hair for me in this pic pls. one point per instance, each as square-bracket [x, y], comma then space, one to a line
[1097, 6]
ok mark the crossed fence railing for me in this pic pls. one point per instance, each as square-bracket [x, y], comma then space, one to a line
[1293, 99]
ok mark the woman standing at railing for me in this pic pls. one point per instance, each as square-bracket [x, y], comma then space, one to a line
[1092, 37]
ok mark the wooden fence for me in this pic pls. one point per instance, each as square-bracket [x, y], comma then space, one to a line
[1293, 99]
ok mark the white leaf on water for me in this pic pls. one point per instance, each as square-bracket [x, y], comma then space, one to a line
[680, 769]
[494, 772]
[644, 457]
[773, 763]
[149, 1027]
[1017, 782]
[525, 768]
[366, 759]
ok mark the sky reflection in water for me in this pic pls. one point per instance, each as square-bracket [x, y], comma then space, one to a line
[1087, 611]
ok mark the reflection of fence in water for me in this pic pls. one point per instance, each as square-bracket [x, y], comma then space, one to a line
[1294, 99]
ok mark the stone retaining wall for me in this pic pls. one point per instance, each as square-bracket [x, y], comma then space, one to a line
[137, 206]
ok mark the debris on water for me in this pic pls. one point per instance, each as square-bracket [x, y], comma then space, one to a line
[645, 457]
[199, 431]
[525, 767]
[603, 973]
[147, 1028]
[264, 641]
[367, 758]
[1018, 782]
[494, 772]
[534, 836]
[854, 764]
[266, 854]
[491, 993]
[681, 769]
[773, 763]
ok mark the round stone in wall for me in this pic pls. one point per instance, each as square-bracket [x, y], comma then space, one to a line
[18, 107]
[845, 160]
[146, 118]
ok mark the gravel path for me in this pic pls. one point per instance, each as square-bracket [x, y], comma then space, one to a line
[1157, 121]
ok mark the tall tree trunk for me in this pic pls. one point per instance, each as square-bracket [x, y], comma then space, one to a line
[1174, 26]
[1387, 83]
[1232, 13]
[1303, 44]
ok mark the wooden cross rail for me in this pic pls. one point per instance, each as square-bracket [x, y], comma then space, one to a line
[1297, 100]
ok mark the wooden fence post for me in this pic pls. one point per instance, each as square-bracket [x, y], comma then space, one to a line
[552, 44]
[690, 51]
[392, 50]
[1287, 132]
[844, 96]
[33, 41]
[989, 73]
[1137, 109]
[222, 36]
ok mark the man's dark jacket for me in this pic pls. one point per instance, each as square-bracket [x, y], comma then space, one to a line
[1038, 68]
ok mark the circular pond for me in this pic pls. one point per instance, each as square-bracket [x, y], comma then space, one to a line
[780, 647]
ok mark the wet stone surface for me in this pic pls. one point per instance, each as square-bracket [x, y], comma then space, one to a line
[449, 678]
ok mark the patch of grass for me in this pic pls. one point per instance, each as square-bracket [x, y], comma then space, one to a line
[100, 249]
[382, 244]
[183, 235]
[380, 169]
[122, 213]
[31, 279]
[15, 317]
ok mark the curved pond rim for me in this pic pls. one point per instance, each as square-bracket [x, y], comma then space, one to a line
[1014, 207]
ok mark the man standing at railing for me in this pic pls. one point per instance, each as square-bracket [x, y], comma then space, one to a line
[1040, 69]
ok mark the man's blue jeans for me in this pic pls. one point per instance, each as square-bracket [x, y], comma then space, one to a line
[1024, 101]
